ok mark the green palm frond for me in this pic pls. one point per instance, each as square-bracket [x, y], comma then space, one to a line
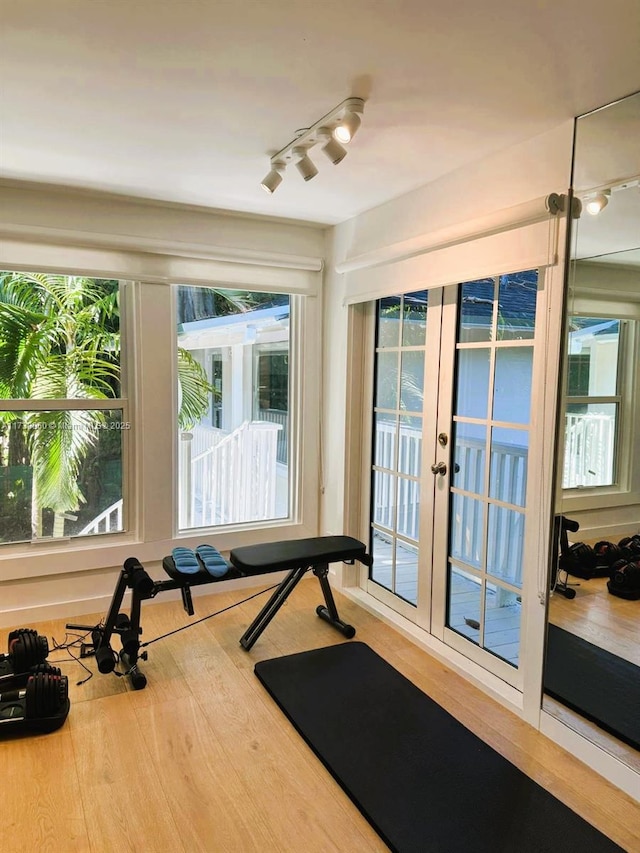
[195, 390]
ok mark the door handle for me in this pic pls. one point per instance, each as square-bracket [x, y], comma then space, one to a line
[439, 468]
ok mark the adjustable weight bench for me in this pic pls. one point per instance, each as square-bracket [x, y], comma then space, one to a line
[296, 557]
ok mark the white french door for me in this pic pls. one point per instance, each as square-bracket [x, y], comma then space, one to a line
[451, 420]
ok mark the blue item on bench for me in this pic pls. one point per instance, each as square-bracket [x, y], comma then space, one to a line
[212, 560]
[185, 561]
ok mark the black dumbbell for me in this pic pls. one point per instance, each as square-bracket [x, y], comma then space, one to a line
[44, 696]
[27, 648]
[626, 576]
[607, 553]
[13, 680]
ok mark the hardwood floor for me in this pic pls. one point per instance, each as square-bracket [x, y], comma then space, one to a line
[202, 759]
[603, 619]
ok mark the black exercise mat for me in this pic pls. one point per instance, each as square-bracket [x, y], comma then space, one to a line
[422, 780]
[602, 687]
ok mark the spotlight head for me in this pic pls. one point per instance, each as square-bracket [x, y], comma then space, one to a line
[273, 180]
[332, 148]
[347, 128]
[595, 204]
[305, 164]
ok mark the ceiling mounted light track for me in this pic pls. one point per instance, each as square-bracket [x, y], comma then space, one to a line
[333, 131]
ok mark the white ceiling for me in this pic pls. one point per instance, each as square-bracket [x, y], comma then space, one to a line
[184, 100]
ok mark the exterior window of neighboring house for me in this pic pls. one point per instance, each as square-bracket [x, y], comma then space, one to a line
[596, 360]
[63, 415]
[234, 372]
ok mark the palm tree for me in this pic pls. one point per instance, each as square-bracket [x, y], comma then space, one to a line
[60, 340]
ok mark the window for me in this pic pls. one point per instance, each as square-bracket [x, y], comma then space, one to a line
[63, 418]
[235, 375]
[593, 403]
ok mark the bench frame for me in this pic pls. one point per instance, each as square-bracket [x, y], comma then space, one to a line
[134, 577]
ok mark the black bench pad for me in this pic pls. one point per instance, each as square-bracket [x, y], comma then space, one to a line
[297, 553]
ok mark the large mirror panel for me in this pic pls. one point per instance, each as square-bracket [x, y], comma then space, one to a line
[592, 668]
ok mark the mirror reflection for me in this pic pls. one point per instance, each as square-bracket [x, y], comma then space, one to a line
[592, 669]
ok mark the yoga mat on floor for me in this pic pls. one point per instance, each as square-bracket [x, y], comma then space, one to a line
[602, 687]
[422, 780]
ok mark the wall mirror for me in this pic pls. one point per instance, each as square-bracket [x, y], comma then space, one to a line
[592, 666]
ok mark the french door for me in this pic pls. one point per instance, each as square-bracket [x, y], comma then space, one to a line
[451, 421]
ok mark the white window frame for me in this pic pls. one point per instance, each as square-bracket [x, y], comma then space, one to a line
[626, 487]
[150, 486]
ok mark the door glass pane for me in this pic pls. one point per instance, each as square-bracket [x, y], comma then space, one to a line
[387, 380]
[410, 447]
[476, 310]
[463, 606]
[505, 544]
[517, 305]
[502, 611]
[472, 383]
[469, 450]
[414, 324]
[466, 529]
[487, 531]
[397, 445]
[412, 381]
[508, 476]
[512, 384]
[384, 440]
[389, 321]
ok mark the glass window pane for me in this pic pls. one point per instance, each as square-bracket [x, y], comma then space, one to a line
[505, 544]
[387, 380]
[382, 553]
[593, 357]
[590, 445]
[410, 447]
[502, 612]
[476, 310]
[234, 366]
[508, 475]
[472, 383]
[61, 473]
[466, 530]
[463, 606]
[512, 385]
[469, 449]
[406, 585]
[389, 321]
[412, 381]
[517, 305]
[414, 323]
[384, 499]
[69, 326]
[384, 441]
[408, 508]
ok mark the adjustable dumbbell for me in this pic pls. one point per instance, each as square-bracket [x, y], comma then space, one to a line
[607, 553]
[15, 680]
[42, 704]
[27, 648]
[625, 575]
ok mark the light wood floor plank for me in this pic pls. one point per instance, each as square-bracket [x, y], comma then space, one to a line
[203, 760]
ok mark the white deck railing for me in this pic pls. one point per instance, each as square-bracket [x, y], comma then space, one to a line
[589, 450]
[232, 481]
[109, 521]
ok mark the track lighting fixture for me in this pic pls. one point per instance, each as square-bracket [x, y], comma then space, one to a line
[595, 204]
[331, 131]
[332, 148]
[273, 180]
[305, 164]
